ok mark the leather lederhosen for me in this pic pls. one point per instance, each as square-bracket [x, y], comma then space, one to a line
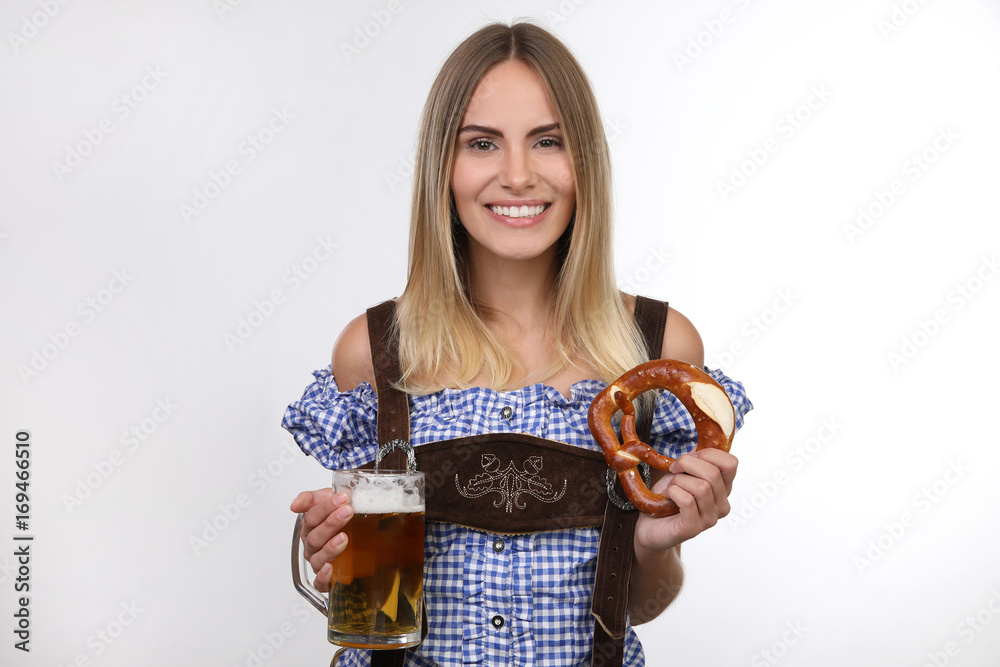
[516, 483]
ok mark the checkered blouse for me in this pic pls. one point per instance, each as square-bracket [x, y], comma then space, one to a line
[492, 599]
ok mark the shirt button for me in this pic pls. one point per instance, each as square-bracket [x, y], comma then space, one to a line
[498, 545]
[507, 412]
[497, 621]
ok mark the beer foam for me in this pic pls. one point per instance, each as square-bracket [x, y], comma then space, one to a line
[373, 499]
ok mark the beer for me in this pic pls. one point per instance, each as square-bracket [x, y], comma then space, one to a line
[377, 582]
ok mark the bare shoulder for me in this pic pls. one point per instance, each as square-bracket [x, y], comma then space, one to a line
[351, 363]
[682, 341]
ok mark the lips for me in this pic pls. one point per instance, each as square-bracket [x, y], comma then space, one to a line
[516, 214]
[523, 211]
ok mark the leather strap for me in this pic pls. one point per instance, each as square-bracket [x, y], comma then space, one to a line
[392, 658]
[614, 557]
[651, 316]
[393, 418]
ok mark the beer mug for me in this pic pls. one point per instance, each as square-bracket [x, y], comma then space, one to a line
[376, 587]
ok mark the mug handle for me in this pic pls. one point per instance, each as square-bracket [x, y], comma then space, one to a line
[314, 597]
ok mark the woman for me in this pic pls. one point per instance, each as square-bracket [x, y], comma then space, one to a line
[511, 322]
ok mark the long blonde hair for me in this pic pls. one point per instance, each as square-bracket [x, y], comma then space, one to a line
[444, 341]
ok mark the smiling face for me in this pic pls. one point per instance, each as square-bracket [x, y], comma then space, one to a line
[512, 178]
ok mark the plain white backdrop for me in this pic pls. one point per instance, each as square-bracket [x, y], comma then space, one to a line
[198, 195]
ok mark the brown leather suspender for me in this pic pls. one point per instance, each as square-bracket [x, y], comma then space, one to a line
[567, 467]
[614, 557]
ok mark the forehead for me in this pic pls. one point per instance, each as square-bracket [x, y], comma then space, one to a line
[510, 93]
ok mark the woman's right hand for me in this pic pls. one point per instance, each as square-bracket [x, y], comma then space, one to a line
[322, 533]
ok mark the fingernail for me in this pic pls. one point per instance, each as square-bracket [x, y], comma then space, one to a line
[341, 498]
[326, 569]
[345, 513]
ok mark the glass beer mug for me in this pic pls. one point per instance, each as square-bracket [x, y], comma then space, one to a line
[376, 587]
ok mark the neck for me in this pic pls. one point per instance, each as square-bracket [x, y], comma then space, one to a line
[517, 292]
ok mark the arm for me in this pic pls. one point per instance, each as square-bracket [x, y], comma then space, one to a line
[699, 483]
[326, 514]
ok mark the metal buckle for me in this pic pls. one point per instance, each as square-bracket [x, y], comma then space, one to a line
[402, 445]
[609, 479]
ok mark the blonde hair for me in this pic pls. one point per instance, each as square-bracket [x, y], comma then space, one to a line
[444, 341]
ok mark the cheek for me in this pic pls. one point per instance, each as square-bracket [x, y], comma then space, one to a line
[464, 184]
[565, 180]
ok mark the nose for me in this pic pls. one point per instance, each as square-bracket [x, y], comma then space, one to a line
[516, 171]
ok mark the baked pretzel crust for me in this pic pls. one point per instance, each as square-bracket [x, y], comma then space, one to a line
[705, 399]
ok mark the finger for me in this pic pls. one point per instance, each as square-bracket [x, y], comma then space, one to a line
[689, 517]
[318, 542]
[707, 500]
[725, 461]
[308, 499]
[693, 467]
[320, 512]
[322, 558]
[322, 582]
[718, 468]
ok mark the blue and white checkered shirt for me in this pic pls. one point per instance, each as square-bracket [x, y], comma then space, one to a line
[493, 600]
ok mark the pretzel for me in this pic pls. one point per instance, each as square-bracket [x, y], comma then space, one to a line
[705, 399]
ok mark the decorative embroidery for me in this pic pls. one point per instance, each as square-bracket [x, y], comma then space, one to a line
[511, 483]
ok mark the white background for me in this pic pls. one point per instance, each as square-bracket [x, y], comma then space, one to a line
[879, 546]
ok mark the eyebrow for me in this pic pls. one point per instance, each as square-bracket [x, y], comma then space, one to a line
[494, 132]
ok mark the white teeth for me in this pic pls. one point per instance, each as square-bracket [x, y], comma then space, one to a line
[518, 212]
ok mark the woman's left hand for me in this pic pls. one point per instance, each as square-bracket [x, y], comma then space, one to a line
[700, 484]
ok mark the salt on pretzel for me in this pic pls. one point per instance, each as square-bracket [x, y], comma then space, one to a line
[705, 399]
